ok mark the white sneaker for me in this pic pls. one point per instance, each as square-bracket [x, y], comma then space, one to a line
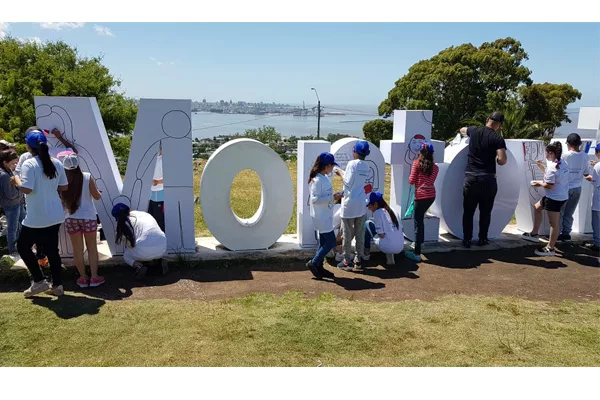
[56, 291]
[390, 259]
[545, 252]
[530, 238]
[37, 288]
[339, 257]
[15, 257]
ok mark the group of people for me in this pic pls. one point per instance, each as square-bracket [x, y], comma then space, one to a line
[44, 188]
[341, 217]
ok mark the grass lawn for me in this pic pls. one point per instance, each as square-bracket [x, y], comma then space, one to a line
[262, 330]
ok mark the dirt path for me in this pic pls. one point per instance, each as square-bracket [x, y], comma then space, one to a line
[514, 272]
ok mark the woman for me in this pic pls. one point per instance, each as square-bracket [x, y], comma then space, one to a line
[11, 201]
[141, 235]
[556, 185]
[81, 223]
[41, 179]
[422, 177]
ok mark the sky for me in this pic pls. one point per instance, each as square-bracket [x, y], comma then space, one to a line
[348, 63]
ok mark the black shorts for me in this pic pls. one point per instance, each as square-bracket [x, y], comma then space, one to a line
[552, 205]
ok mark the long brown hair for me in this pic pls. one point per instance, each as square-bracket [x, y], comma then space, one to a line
[316, 168]
[71, 198]
[383, 204]
[426, 160]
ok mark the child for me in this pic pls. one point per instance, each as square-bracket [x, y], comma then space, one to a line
[42, 177]
[80, 222]
[321, 212]
[578, 164]
[556, 184]
[141, 235]
[11, 201]
[353, 209]
[595, 179]
[422, 176]
[156, 205]
[385, 229]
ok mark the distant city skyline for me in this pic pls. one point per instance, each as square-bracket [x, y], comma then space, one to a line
[348, 63]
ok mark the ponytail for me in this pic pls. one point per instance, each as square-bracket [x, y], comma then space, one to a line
[124, 227]
[382, 204]
[47, 165]
[556, 148]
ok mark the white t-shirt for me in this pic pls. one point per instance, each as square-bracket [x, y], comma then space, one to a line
[53, 151]
[579, 166]
[86, 209]
[355, 179]
[321, 203]
[146, 230]
[44, 207]
[596, 185]
[560, 178]
[393, 242]
[337, 218]
[158, 174]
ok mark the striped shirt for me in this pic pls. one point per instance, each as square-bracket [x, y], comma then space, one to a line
[423, 183]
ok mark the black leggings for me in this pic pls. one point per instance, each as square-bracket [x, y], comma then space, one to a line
[48, 239]
[421, 207]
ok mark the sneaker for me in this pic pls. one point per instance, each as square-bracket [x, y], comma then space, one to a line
[15, 257]
[412, 256]
[467, 243]
[83, 282]
[483, 242]
[56, 291]
[37, 288]
[563, 237]
[43, 262]
[530, 237]
[95, 282]
[344, 265]
[390, 259]
[313, 269]
[140, 269]
[339, 257]
[545, 252]
[367, 255]
[357, 265]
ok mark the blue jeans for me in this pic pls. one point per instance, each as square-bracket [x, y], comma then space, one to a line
[596, 227]
[327, 242]
[14, 216]
[567, 211]
[370, 233]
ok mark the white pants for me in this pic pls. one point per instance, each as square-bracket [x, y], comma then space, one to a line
[144, 252]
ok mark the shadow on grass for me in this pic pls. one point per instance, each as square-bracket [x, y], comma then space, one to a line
[67, 306]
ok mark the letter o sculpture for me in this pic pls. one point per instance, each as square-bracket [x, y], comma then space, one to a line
[277, 198]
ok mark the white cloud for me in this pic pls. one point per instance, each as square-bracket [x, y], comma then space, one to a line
[57, 26]
[4, 29]
[103, 31]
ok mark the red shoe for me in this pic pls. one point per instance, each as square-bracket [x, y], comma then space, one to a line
[83, 282]
[95, 282]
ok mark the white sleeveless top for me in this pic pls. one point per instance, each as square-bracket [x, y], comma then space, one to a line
[86, 209]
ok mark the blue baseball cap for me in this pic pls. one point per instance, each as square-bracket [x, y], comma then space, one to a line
[374, 197]
[429, 146]
[598, 146]
[362, 148]
[34, 137]
[118, 208]
[327, 159]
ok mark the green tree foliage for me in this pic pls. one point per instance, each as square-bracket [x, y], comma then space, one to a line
[378, 129]
[56, 69]
[267, 135]
[460, 82]
[334, 137]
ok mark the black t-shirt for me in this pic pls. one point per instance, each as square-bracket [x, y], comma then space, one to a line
[483, 144]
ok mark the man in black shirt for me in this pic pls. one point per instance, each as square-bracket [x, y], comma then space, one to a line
[486, 148]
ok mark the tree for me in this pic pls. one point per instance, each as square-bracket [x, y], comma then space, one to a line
[267, 135]
[547, 103]
[334, 137]
[377, 130]
[56, 69]
[459, 82]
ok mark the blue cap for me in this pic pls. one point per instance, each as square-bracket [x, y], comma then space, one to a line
[118, 208]
[362, 148]
[327, 159]
[429, 146]
[374, 197]
[33, 138]
[598, 146]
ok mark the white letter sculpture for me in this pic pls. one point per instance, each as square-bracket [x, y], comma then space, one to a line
[265, 227]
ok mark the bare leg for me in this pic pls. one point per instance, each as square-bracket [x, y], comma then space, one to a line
[554, 219]
[538, 217]
[77, 241]
[92, 247]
